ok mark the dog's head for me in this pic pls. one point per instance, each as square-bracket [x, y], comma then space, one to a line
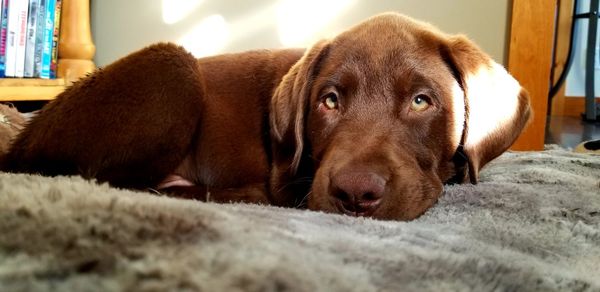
[376, 120]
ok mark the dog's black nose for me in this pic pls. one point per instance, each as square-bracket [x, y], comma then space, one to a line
[358, 193]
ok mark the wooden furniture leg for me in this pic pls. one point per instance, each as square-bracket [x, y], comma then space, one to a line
[75, 48]
[530, 60]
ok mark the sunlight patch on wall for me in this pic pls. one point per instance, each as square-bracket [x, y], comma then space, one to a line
[207, 38]
[174, 11]
[298, 22]
[253, 21]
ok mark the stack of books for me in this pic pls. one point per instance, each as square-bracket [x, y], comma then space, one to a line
[29, 38]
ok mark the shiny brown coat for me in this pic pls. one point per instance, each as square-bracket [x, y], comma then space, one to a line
[370, 123]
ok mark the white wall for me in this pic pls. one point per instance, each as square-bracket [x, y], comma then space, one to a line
[216, 26]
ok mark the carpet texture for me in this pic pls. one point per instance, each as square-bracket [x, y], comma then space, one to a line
[531, 224]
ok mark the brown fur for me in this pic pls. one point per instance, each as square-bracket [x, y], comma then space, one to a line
[252, 126]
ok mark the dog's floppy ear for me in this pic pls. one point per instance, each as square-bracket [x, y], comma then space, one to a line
[290, 103]
[496, 106]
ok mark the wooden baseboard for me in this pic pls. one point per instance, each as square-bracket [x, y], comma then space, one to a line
[569, 106]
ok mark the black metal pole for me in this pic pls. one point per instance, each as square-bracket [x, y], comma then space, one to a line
[590, 96]
[570, 55]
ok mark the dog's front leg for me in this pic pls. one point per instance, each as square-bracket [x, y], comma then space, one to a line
[255, 193]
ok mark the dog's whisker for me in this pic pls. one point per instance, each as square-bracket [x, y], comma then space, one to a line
[301, 180]
[154, 191]
[304, 200]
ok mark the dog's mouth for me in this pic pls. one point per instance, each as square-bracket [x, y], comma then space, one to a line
[357, 209]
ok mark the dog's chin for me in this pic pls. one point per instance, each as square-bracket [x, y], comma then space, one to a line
[397, 213]
[393, 205]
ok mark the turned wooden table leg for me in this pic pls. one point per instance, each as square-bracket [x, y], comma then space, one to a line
[75, 47]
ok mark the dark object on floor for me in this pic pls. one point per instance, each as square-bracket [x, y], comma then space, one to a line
[588, 146]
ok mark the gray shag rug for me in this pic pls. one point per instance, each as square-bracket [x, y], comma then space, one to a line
[531, 224]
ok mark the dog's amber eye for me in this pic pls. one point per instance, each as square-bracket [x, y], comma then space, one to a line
[331, 101]
[419, 103]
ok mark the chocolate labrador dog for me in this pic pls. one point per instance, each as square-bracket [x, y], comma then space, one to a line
[370, 123]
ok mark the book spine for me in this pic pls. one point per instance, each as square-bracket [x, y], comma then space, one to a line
[21, 38]
[55, 35]
[30, 45]
[39, 39]
[1, 42]
[3, 34]
[11, 38]
[48, 33]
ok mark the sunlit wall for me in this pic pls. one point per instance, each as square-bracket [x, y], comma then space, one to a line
[207, 27]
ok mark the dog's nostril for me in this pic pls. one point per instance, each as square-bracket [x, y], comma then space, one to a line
[342, 196]
[370, 196]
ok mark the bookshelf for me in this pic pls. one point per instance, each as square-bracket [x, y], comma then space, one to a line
[75, 53]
